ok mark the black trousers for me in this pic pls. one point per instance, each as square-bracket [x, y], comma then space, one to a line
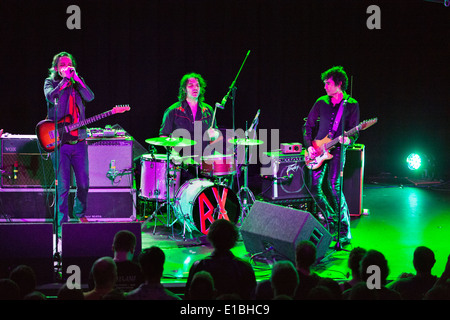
[326, 181]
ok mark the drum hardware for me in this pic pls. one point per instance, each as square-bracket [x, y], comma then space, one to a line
[169, 143]
[245, 195]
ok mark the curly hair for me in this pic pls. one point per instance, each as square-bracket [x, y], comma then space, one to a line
[53, 73]
[338, 75]
[183, 82]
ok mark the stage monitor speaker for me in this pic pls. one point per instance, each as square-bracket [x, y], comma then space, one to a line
[110, 162]
[23, 163]
[83, 243]
[285, 177]
[28, 244]
[27, 204]
[273, 231]
[354, 179]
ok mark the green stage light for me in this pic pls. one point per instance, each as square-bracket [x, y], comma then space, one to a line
[414, 161]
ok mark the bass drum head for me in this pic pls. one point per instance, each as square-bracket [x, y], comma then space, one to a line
[209, 203]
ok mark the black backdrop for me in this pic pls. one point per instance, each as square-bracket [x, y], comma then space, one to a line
[135, 52]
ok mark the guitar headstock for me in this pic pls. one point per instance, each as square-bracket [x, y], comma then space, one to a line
[367, 123]
[120, 108]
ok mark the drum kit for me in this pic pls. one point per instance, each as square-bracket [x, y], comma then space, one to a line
[198, 202]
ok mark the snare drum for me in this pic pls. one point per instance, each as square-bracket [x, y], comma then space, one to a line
[154, 175]
[218, 165]
[199, 202]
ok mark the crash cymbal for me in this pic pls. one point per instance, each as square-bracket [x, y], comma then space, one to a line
[170, 142]
[246, 142]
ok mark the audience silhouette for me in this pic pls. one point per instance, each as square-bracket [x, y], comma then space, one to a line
[305, 256]
[104, 272]
[232, 275]
[152, 261]
[414, 287]
[223, 276]
[284, 280]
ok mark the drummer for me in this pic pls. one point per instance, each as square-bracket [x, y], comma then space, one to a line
[191, 118]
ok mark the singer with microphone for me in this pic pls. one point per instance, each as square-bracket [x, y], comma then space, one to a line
[66, 94]
[325, 120]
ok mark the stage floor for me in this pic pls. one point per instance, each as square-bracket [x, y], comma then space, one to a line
[399, 219]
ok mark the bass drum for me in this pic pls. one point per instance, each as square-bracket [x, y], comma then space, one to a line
[199, 202]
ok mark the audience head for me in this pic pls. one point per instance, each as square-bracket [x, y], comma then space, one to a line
[354, 260]
[124, 241]
[25, 278]
[305, 254]
[202, 286]
[424, 260]
[9, 290]
[284, 278]
[104, 272]
[64, 293]
[374, 257]
[152, 263]
[222, 235]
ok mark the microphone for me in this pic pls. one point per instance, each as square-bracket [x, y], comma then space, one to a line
[255, 120]
[112, 172]
[15, 170]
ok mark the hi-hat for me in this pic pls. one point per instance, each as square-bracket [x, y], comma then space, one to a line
[171, 142]
[246, 142]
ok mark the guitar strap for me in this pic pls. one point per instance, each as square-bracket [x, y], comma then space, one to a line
[338, 119]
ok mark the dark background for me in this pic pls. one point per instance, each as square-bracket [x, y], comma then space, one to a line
[135, 52]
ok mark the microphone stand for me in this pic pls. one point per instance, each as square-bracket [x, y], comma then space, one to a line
[338, 246]
[57, 256]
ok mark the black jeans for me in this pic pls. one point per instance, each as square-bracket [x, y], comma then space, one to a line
[329, 206]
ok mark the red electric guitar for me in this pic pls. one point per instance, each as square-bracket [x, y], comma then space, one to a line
[323, 146]
[45, 129]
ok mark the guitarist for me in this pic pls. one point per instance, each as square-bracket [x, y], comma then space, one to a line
[325, 120]
[66, 91]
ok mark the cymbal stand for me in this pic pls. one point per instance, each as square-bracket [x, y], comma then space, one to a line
[244, 200]
[168, 203]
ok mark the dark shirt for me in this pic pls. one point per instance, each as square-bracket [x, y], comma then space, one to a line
[322, 116]
[231, 274]
[179, 116]
[413, 288]
[58, 91]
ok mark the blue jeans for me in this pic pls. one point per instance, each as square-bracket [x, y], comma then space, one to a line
[76, 157]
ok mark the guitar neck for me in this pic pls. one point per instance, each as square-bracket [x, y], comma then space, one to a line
[89, 120]
[349, 133]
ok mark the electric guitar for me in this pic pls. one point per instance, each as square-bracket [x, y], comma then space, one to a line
[45, 129]
[323, 146]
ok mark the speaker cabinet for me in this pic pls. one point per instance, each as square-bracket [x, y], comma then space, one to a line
[108, 204]
[23, 163]
[285, 177]
[274, 231]
[83, 243]
[27, 204]
[354, 179]
[30, 244]
[110, 162]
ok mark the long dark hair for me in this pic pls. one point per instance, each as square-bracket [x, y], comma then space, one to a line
[183, 82]
[52, 72]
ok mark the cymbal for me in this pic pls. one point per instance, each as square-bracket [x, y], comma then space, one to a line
[171, 142]
[246, 142]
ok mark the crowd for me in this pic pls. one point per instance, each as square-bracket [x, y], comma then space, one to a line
[223, 276]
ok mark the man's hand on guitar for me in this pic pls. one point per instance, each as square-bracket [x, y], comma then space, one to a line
[312, 152]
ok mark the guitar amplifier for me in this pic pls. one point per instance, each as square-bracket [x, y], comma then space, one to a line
[285, 177]
[24, 164]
